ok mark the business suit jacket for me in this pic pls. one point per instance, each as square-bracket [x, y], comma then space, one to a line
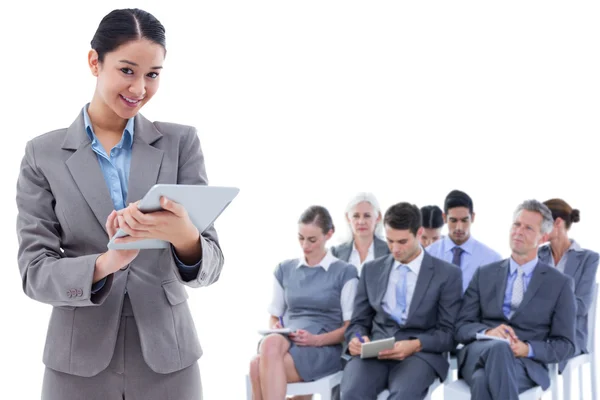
[582, 266]
[344, 250]
[545, 319]
[63, 203]
[433, 308]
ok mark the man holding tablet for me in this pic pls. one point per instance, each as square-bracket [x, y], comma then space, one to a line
[411, 297]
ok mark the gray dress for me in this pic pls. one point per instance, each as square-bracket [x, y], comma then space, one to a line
[312, 298]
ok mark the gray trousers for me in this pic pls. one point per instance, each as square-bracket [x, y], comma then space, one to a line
[493, 372]
[408, 379]
[128, 377]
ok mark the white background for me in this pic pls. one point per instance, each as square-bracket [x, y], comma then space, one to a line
[308, 102]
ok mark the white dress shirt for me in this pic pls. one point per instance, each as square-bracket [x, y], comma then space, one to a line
[563, 260]
[389, 300]
[278, 306]
[355, 256]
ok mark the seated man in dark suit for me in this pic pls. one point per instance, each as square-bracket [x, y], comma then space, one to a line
[412, 297]
[523, 300]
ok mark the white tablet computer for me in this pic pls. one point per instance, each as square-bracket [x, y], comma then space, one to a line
[203, 203]
[372, 349]
[281, 331]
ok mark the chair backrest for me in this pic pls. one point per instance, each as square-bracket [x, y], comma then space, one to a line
[592, 319]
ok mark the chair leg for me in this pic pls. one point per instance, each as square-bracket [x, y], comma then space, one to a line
[594, 377]
[248, 388]
[567, 382]
[580, 381]
[554, 383]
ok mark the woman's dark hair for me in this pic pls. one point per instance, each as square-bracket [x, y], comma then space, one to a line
[319, 216]
[432, 217]
[561, 209]
[121, 26]
[403, 216]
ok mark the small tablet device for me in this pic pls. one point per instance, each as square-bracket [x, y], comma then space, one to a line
[203, 203]
[372, 349]
[483, 336]
[281, 331]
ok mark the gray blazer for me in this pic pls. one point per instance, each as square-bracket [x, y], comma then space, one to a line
[435, 303]
[63, 203]
[545, 319]
[344, 250]
[582, 266]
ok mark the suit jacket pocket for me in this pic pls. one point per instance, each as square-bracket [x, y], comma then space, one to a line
[175, 292]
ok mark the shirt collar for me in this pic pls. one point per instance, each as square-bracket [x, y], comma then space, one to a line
[414, 265]
[466, 246]
[574, 246]
[527, 267]
[325, 263]
[371, 247]
[127, 138]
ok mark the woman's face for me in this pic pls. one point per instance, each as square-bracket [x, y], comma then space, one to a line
[128, 77]
[312, 239]
[430, 235]
[362, 219]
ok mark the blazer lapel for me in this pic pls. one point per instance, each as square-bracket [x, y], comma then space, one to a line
[384, 278]
[346, 250]
[573, 262]
[423, 281]
[85, 170]
[145, 159]
[534, 284]
[502, 277]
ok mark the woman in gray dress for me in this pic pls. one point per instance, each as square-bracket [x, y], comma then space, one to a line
[313, 296]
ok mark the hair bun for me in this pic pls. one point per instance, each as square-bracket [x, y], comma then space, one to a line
[575, 215]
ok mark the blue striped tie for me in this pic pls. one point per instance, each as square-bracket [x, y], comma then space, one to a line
[400, 310]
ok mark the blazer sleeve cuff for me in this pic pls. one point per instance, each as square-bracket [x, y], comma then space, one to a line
[209, 268]
[187, 272]
[432, 344]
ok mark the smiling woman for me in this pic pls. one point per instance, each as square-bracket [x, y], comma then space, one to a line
[120, 327]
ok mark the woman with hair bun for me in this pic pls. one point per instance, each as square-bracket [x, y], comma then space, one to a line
[566, 255]
[121, 327]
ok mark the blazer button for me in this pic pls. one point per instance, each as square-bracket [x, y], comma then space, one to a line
[73, 292]
[79, 292]
[69, 294]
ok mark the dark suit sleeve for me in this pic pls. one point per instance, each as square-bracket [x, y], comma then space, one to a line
[441, 339]
[468, 322]
[584, 287]
[560, 344]
[362, 316]
[191, 171]
[48, 275]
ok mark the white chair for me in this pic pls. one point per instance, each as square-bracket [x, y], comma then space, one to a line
[453, 364]
[385, 394]
[321, 387]
[577, 362]
[459, 390]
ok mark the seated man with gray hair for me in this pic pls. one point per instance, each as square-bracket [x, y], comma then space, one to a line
[527, 304]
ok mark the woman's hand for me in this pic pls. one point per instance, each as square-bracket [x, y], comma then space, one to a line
[113, 260]
[172, 224]
[305, 338]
